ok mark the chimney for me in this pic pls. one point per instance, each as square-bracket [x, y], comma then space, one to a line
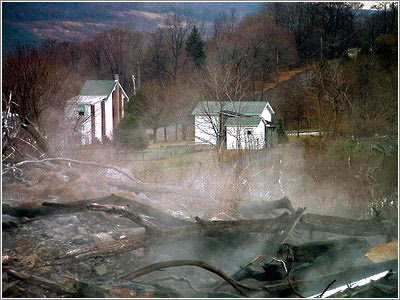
[116, 77]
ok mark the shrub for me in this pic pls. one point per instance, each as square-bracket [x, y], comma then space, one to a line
[130, 134]
[282, 137]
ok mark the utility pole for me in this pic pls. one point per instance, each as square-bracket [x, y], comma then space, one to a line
[277, 65]
[134, 85]
[321, 55]
[138, 67]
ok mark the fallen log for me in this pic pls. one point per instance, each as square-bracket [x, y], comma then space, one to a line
[308, 259]
[142, 240]
[316, 258]
[280, 240]
[158, 216]
[251, 208]
[51, 208]
[128, 213]
[61, 159]
[219, 228]
[333, 249]
[158, 189]
[43, 281]
[290, 226]
[310, 285]
[349, 227]
[96, 289]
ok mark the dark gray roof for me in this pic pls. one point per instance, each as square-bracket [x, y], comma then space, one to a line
[97, 88]
[250, 108]
[243, 121]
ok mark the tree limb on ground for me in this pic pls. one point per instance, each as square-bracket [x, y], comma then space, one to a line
[281, 239]
[125, 212]
[142, 240]
[350, 227]
[51, 284]
[313, 284]
[86, 163]
[50, 208]
[159, 189]
[250, 208]
[177, 263]
[218, 228]
[290, 226]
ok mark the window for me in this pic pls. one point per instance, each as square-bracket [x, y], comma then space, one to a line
[81, 109]
[249, 132]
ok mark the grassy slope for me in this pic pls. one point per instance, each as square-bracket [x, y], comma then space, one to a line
[329, 176]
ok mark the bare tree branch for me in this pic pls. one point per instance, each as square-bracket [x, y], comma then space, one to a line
[125, 212]
[177, 263]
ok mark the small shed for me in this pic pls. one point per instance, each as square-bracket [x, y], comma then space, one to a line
[241, 124]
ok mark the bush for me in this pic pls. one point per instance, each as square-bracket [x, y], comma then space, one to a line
[282, 136]
[130, 134]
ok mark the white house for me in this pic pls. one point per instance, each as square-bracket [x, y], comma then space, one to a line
[99, 107]
[240, 124]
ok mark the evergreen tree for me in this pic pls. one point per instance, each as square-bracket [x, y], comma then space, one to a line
[130, 132]
[195, 47]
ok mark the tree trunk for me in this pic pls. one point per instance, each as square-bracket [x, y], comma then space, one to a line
[176, 131]
[49, 208]
[165, 134]
[227, 228]
[184, 129]
[154, 135]
[41, 141]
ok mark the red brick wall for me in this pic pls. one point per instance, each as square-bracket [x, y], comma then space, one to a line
[92, 124]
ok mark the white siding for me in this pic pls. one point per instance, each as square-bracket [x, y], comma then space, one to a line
[237, 137]
[86, 137]
[204, 130]
[232, 137]
[109, 117]
[97, 120]
[266, 114]
[108, 109]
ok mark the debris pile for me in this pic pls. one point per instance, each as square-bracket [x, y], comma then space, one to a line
[70, 233]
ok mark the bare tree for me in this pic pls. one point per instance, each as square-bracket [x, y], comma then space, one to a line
[217, 86]
[155, 57]
[39, 82]
[177, 28]
[116, 51]
[255, 44]
[328, 90]
[152, 104]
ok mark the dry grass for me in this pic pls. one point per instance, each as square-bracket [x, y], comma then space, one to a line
[283, 76]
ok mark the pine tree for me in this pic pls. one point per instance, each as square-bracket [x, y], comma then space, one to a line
[130, 132]
[195, 47]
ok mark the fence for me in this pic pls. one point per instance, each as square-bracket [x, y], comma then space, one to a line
[110, 153]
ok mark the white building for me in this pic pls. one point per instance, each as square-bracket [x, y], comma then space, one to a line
[240, 124]
[99, 107]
